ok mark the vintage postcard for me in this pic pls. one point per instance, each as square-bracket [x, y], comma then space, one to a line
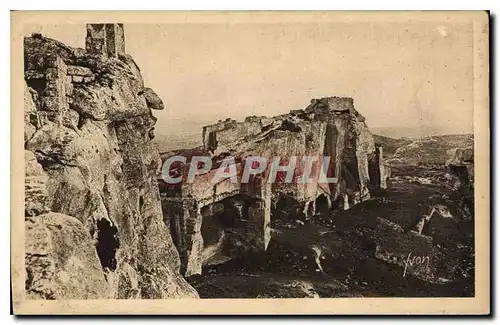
[250, 163]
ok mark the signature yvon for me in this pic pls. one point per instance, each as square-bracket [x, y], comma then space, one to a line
[415, 260]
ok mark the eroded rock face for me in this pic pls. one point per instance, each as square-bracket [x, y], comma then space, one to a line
[35, 184]
[328, 127]
[93, 212]
[61, 260]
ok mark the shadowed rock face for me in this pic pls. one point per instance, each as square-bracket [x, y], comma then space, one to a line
[60, 259]
[460, 164]
[329, 126]
[94, 224]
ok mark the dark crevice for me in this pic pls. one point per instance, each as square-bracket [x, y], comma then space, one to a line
[107, 244]
[322, 205]
[48, 160]
[212, 228]
[287, 125]
[82, 119]
[38, 85]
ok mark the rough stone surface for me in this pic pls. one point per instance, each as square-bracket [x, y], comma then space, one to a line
[153, 100]
[74, 70]
[409, 250]
[91, 190]
[30, 114]
[61, 260]
[105, 39]
[35, 188]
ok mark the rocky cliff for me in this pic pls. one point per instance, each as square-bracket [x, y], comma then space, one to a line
[431, 150]
[94, 225]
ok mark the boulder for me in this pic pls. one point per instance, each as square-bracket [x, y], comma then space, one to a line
[61, 260]
[153, 100]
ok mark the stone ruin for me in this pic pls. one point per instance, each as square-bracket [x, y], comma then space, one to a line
[105, 39]
[93, 220]
[208, 221]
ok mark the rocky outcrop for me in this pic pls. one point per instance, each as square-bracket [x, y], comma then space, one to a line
[152, 99]
[460, 162]
[432, 150]
[93, 213]
[242, 212]
[460, 165]
[410, 250]
[61, 260]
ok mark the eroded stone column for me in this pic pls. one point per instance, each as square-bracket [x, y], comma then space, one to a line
[185, 220]
[194, 241]
[259, 219]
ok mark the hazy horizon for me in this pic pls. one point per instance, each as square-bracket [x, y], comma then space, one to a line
[411, 75]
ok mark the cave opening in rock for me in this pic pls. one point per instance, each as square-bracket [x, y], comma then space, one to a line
[107, 244]
[350, 174]
[212, 229]
[38, 85]
[322, 205]
[221, 221]
[141, 203]
[286, 208]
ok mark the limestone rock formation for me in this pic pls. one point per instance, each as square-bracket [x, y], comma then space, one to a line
[431, 150]
[236, 216]
[61, 260]
[93, 213]
[461, 162]
[35, 185]
[152, 99]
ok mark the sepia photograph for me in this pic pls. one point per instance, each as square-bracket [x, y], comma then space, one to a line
[250, 162]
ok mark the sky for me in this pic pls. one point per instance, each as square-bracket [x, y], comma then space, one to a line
[416, 75]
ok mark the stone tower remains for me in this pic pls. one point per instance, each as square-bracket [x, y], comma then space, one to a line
[105, 39]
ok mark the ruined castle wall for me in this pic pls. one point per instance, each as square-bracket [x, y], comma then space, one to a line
[208, 134]
[219, 136]
[92, 199]
[238, 132]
